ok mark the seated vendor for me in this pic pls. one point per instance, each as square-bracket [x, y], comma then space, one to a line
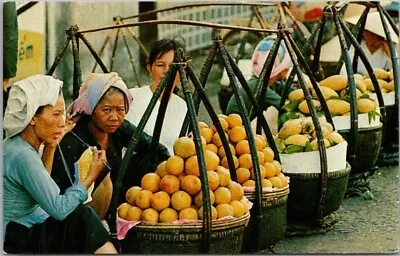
[36, 217]
[99, 113]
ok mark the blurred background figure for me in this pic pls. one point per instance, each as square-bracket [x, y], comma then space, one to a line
[10, 46]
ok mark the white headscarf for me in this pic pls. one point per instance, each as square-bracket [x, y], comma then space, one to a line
[25, 97]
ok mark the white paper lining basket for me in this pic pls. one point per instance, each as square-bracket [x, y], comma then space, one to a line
[309, 162]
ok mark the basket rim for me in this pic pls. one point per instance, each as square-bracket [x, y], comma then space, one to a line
[215, 224]
[272, 193]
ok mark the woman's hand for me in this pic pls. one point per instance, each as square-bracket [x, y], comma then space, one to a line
[98, 162]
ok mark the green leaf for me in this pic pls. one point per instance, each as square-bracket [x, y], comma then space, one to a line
[372, 115]
[308, 147]
[364, 96]
[287, 116]
[290, 149]
[291, 106]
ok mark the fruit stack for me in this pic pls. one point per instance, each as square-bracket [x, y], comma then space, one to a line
[299, 135]
[173, 192]
[270, 169]
[335, 91]
[385, 80]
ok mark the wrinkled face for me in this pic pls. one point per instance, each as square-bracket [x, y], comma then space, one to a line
[158, 69]
[109, 112]
[49, 124]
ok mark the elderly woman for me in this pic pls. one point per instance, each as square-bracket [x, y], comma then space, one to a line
[36, 218]
[279, 72]
[160, 58]
[99, 113]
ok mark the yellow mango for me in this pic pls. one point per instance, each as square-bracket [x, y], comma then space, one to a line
[391, 75]
[365, 105]
[379, 73]
[335, 82]
[388, 86]
[296, 95]
[315, 147]
[334, 138]
[338, 107]
[327, 92]
[360, 84]
[297, 139]
[290, 127]
[303, 107]
[370, 86]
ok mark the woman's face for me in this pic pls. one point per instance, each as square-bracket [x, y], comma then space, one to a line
[109, 113]
[159, 67]
[49, 124]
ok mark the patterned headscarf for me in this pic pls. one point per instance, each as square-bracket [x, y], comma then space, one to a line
[91, 91]
[282, 60]
[25, 97]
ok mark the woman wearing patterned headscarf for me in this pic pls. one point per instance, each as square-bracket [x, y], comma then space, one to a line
[99, 111]
[280, 69]
[36, 218]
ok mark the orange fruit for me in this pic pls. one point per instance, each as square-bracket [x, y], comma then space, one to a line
[207, 134]
[263, 140]
[224, 176]
[161, 170]
[239, 208]
[123, 210]
[224, 125]
[224, 162]
[249, 183]
[184, 147]
[211, 147]
[181, 200]
[224, 210]
[214, 214]
[221, 150]
[270, 170]
[260, 156]
[151, 182]
[236, 190]
[259, 143]
[202, 124]
[268, 154]
[134, 214]
[276, 182]
[234, 120]
[188, 214]
[237, 134]
[175, 165]
[131, 194]
[242, 174]
[212, 160]
[192, 167]
[170, 184]
[213, 180]
[266, 183]
[245, 161]
[168, 215]
[283, 179]
[150, 215]
[191, 184]
[278, 167]
[143, 198]
[160, 200]
[223, 116]
[217, 140]
[242, 147]
[222, 195]
[262, 173]
[198, 199]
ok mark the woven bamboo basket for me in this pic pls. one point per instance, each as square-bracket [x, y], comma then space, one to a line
[304, 194]
[273, 224]
[226, 237]
[367, 147]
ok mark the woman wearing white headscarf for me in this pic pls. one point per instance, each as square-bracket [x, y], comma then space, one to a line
[280, 69]
[36, 218]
